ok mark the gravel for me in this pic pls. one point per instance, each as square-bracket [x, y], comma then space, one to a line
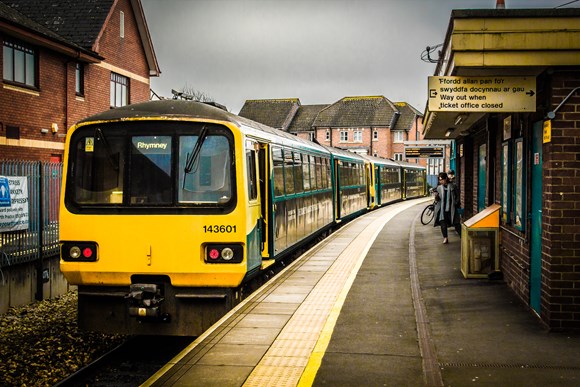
[41, 344]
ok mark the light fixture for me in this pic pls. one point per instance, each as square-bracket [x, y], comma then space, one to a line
[43, 131]
[449, 131]
[459, 119]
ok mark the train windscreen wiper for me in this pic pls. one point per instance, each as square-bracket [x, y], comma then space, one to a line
[192, 162]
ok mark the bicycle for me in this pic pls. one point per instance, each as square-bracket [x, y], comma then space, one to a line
[428, 213]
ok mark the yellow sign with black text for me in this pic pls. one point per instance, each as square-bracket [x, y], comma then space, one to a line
[547, 131]
[482, 94]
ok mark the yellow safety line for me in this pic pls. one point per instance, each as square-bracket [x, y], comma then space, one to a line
[315, 360]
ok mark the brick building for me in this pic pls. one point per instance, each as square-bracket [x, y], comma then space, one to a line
[370, 125]
[64, 60]
[526, 161]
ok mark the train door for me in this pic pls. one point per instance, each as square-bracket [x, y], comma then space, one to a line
[337, 193]
[265, 197]
[536, 219]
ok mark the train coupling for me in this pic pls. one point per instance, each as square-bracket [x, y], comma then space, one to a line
[145, 302]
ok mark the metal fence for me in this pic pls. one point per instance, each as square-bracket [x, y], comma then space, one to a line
[40, 239]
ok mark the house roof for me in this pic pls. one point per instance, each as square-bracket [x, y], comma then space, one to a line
[78, 22]
[276, 113]
[14, 21]
[407, 117]
[357, 112]
[305, 117]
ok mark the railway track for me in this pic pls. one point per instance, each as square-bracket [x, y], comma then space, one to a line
[129, 364]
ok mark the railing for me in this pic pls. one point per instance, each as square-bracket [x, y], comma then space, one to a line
[40, 239]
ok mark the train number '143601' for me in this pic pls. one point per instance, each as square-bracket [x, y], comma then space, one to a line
[219, 229]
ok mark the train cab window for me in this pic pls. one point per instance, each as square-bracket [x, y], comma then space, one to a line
[204, 169]
[151, 180]
[251, 171]
[278, 162]
[99, 166]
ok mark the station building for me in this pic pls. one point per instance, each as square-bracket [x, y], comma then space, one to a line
[522, 150]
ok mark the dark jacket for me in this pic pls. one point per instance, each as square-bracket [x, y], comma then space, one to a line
[454, 205]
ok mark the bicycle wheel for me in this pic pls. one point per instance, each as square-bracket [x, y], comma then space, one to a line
[427, 214]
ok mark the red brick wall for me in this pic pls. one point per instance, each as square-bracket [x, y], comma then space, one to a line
[381, 146]
[56, 102]
[561, 208]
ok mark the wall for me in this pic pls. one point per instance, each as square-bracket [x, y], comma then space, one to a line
[18, 284]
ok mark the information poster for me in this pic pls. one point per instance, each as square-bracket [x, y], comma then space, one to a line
[14, 203]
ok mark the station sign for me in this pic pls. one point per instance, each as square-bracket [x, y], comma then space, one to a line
[424, 152]
[482, 94]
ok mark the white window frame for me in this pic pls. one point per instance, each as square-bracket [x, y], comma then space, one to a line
[398, 136]
[344, 136]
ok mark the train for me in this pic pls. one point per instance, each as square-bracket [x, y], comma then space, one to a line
[171, 208]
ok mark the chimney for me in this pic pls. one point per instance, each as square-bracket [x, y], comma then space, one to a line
[500, 4]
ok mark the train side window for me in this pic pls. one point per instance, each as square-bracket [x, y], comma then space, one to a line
[251, 168]
[298, 173]
[306, 173]
[318, 169]
[289, 172]
[278, 162]
[328, 173]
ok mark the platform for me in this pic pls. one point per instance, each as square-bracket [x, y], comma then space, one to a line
[380, 302]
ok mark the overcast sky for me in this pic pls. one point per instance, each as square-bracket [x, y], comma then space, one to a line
[316, 50]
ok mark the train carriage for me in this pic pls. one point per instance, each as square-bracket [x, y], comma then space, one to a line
[171, 207]
[386, 183]
[350, 182]
[414, 180]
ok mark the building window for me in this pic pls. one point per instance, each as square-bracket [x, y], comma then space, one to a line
[398, 157]
[119, 90]
[80, 79]
[328, 135]
[343, 136]
[399, 136]
[519, 200]
[357, 136]
[375, 135]
[311, 136]
[13, 132]
[20, 62]
[122, 24]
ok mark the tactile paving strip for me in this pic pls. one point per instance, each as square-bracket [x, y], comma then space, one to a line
[283, 364]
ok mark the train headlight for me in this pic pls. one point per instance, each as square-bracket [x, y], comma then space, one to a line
[227, 254]
[74, 252]
[230, 253]
[79, 251]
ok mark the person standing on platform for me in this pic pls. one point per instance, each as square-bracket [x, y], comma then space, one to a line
[446, 208]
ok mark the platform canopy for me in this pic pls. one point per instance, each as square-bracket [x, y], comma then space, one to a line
[507, 46]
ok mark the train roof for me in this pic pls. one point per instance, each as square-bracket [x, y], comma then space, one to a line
[197, 110]
[408, 165]
[380, 160]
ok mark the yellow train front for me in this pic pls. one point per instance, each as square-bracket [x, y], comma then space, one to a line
[161, 217]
